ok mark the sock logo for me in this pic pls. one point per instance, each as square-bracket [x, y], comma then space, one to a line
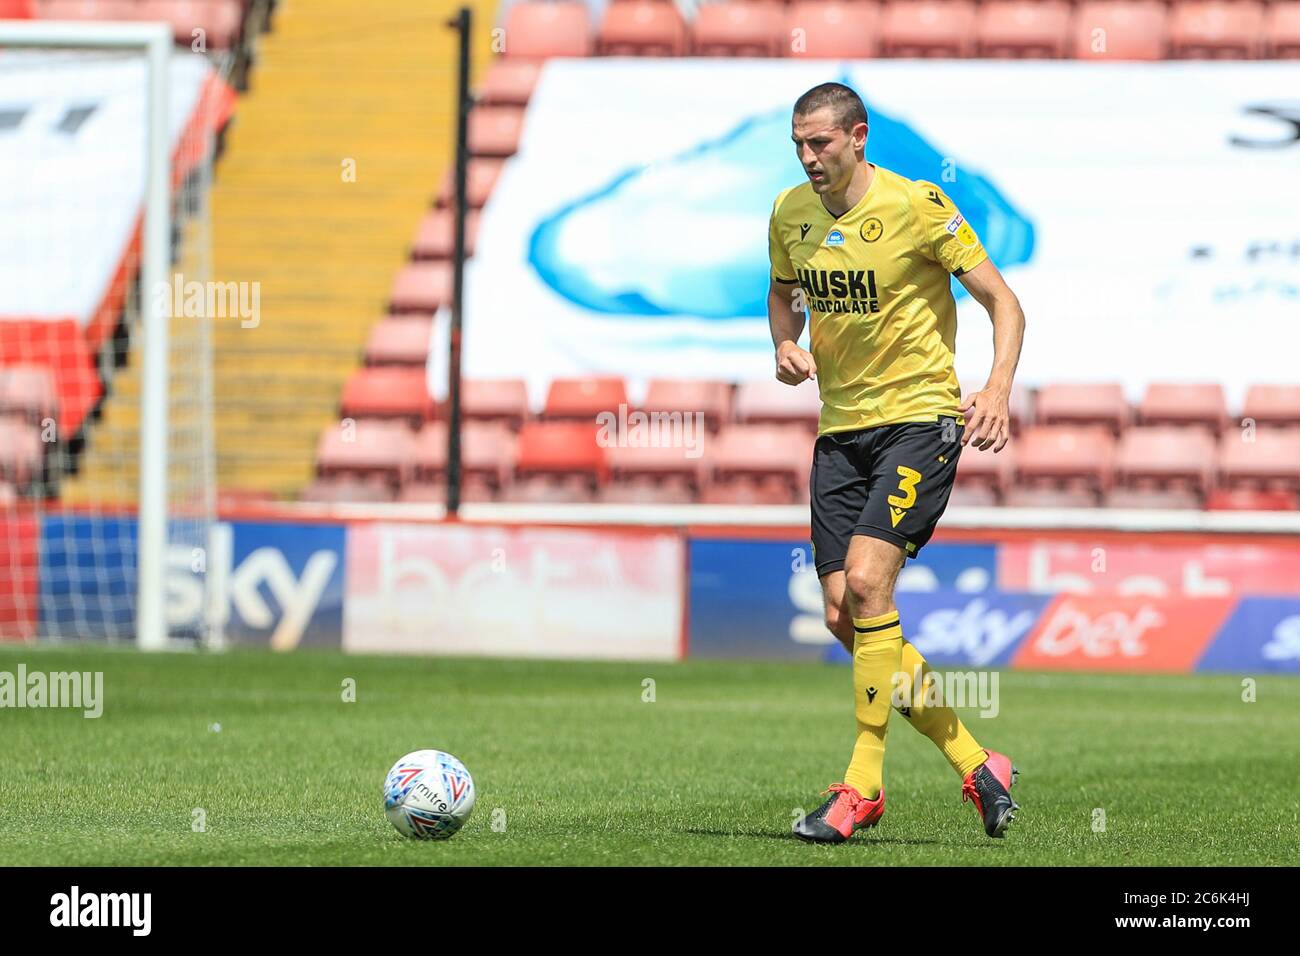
[871, 695]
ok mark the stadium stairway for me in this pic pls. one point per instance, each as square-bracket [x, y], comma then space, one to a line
[335, 83]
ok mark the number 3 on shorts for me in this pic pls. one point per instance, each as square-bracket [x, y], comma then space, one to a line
[907, 481]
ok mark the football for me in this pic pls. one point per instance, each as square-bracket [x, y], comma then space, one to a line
[428, 795]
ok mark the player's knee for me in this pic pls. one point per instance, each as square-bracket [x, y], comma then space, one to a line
[871, 588]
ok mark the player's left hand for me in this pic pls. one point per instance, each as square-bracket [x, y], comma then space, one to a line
[988, 419]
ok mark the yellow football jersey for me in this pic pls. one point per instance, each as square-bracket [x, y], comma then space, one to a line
[877, 288]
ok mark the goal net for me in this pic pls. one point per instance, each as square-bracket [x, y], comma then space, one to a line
[106, 443]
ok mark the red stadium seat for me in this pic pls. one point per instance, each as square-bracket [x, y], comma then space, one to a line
[1270, 459]
[348, 490]
[503, 400]
[1083, 405]
[366, 449]
[1065, 456]
[646, 491]
[541, 30]
[1251, 499]
[473, 490]
[510, 82]
[972, 496]
[754, 28]
[762, 451]
[1282, 30]
[29, 392]
[1151, 499]
[1119, 30]
[392, 392]
[748, 491]
[422, 287]
[487, 453]
[633, 463]
[1272, 404]
[932, 28]
[435, 237]
[400, 341]
[833, 29]
[495, 130]
[1216, 30]
[1191, 404]
[481, 175]
[15, 9]
[584, 398]
[550, 490]
[987, 469]
[712, 399]
[1163, 456]
[642, 28]
[769, 401]
[561, 448]
[1050, 498]
[1023, 28]
[21, 451]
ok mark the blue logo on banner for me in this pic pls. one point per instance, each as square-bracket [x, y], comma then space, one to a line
[1262, 634]
[751, 163]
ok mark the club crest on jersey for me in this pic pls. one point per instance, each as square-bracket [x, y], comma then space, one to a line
[834, 238]
[872, 229]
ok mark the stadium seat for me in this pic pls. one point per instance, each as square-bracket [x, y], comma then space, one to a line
[481, 175]
[348, 490]
[473, 490]
[1251, 499]
[833, 29]
[400, 340]
[762, 451]
[1272, 404]
[646, 491]
[629, 463]
[549, 490]
[1184, 404]
[390, 392]
[29, 392]
[1064, 456]
[1216, 30]
[584, 398]
[509, 82]
[1271, 459]
[930, 28]
[560, 448]
[422, 287]
[1050, 498]
[1119, 30]
[739, 28]
[501, 400]
[986, 469]
[487, 452]
[1164, 456]
[972, 496]
[1023, 28]
[767, 401]
[1282, 31]
[495, 130]
[15, 9]
[748, 491]
[1083, 405]
[366, 449]
[642, 28]
[21, 450]
[435, 237]
[540, 30]
[1151, 499]
[712, 399]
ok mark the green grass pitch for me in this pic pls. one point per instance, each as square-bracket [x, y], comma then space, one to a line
[582, 770]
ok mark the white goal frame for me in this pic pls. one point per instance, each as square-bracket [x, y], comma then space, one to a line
[154, 41]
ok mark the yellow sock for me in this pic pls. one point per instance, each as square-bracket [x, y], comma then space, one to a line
[877, 650]
[936, 721]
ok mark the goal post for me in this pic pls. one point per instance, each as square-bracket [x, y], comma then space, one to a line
[139, 465]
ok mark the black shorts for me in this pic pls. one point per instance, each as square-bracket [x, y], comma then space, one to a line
[891, 482]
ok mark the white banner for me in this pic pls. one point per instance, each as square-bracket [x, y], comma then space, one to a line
[1146, 214]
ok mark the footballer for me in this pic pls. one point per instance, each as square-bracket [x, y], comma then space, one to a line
[868, 253]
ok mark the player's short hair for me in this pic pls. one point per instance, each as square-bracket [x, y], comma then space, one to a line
[845, 104]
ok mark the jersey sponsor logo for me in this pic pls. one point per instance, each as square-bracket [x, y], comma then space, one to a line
[872, 229]
[834, 238]
[840, 290]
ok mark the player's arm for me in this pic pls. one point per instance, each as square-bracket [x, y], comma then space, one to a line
[988, 416]
[793, 364]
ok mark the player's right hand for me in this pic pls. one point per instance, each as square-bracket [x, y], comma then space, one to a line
[793, 364]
